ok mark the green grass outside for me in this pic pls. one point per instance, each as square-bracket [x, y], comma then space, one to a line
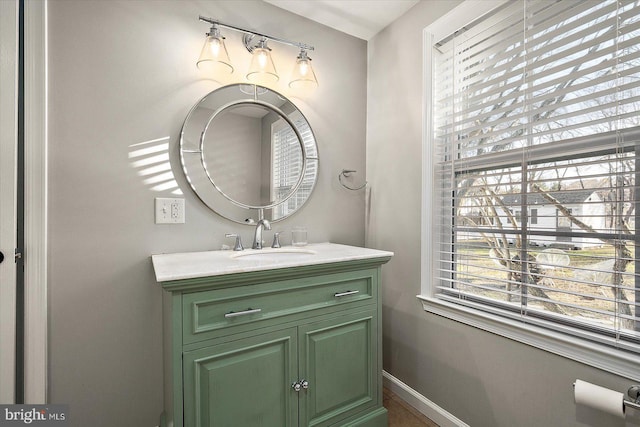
[564, 286]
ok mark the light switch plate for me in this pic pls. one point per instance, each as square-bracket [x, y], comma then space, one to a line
[169, 211]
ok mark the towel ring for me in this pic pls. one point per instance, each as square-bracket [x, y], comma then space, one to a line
[347, 173]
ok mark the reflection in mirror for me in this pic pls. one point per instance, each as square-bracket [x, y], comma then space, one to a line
[288, 165]
[244, 148]
[252, 154]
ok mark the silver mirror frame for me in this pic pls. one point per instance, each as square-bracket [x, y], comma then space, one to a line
[245, 214]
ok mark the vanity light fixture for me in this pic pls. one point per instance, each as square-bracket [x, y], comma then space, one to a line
[262, 69]
[214, 56]
[303, 76]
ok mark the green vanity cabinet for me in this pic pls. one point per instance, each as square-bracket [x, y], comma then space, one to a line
[297, 346]
[242, 382]
[338, 357]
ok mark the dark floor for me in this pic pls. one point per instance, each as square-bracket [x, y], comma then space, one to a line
[401, 414]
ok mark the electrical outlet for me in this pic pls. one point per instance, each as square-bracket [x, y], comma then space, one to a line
[169, 211]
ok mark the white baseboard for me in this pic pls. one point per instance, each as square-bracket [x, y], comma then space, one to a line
[421, 403]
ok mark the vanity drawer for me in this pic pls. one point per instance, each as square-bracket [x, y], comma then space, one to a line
[213, 313]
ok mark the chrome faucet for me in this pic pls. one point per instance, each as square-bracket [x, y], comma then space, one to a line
[260, 225]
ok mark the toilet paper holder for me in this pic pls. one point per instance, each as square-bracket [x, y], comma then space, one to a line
[633, 400]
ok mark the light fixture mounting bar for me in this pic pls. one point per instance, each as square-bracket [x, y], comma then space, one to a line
[244, 30]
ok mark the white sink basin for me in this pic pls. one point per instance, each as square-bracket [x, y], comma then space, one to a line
[273, 254]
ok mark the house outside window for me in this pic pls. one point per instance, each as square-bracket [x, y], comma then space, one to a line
[535, 116]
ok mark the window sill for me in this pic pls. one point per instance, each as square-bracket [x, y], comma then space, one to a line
[583, 351]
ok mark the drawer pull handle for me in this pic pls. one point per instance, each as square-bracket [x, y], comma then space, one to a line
[242, 313]
[345, 293]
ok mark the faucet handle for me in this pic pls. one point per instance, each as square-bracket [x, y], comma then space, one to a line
[276, 240]
[238, 246]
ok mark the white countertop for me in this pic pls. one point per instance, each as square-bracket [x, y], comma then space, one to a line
[189, 265]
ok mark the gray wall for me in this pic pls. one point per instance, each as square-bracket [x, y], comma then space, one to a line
[234, 156]
[483, 379]
[122, 73]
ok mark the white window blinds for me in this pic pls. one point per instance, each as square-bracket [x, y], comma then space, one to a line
[537, 133]
[287, 164]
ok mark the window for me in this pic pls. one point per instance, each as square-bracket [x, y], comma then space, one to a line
[286, 149]
[563, 220]
[535, 127]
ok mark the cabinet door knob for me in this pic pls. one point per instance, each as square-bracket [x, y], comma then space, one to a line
[299, 385]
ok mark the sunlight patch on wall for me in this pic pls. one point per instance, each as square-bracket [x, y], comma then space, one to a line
[151, 161]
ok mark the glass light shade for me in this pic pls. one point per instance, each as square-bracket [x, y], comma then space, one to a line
[303, 76]
[262, 69]
[214, 56]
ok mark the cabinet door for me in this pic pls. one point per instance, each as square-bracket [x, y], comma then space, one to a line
[246, 382]
[338, 358]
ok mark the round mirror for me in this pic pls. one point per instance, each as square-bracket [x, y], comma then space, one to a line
[245, 149]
